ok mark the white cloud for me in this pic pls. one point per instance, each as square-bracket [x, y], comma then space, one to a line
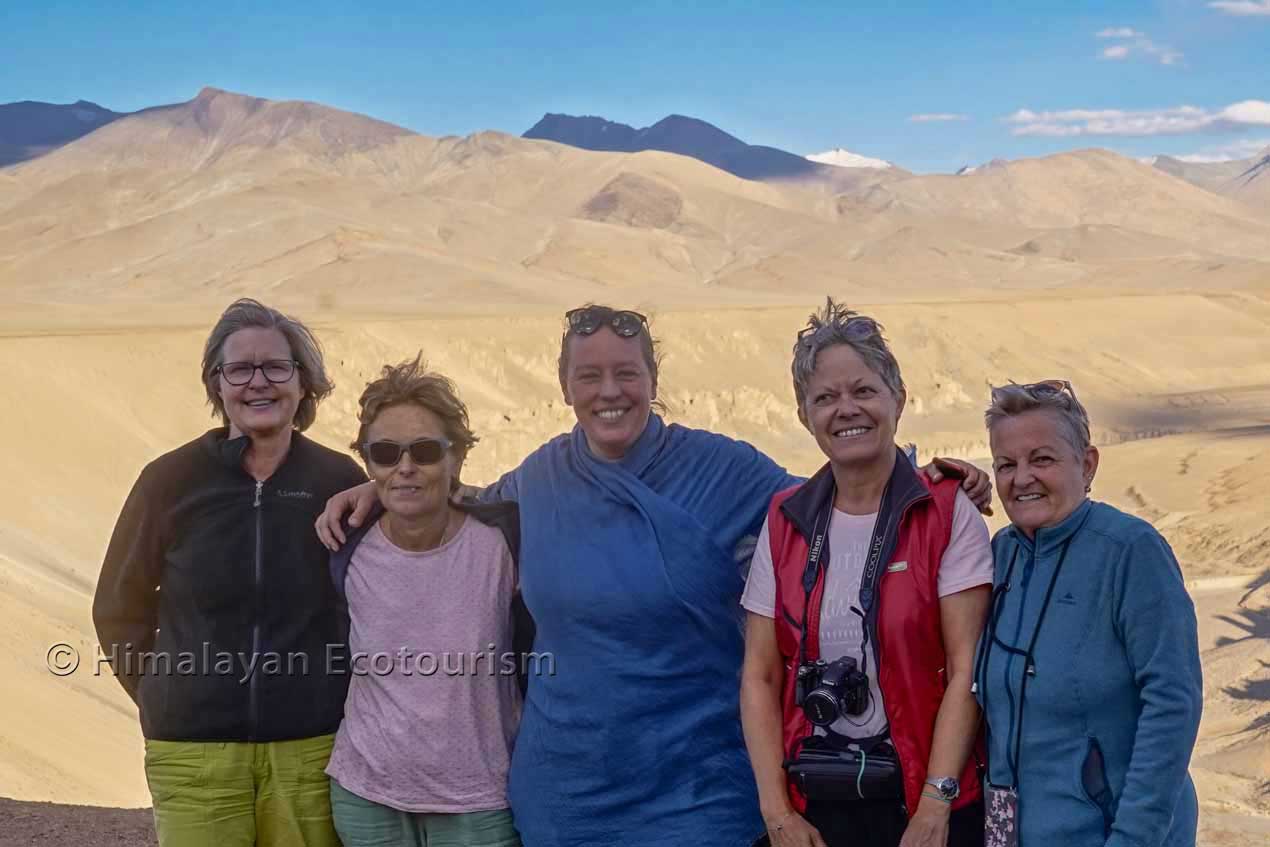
[1178, 120]
[1243, 149]
[1242, 8]
[1253, 112]
[934, 117]
[1118, 32]
[1137, 43]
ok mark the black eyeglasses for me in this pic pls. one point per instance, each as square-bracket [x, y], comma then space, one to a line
[424, 451]
[588, 319]
[241, 373]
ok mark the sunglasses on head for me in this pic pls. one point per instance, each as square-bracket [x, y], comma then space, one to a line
[424, 451]
[856, 328]
[1049, 388]
[588, 319]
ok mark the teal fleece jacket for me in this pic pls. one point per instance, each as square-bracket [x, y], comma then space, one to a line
[1112, 705]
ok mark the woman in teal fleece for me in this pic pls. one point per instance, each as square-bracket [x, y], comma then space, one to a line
[1088, 672]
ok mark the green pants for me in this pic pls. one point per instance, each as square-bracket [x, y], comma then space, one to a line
[365, 823]
[236, 794]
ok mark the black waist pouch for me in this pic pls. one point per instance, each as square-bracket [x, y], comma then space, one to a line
[825, 773]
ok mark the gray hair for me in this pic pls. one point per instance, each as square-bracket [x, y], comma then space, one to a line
[1054, 396]
[305, 349]
[834, 325]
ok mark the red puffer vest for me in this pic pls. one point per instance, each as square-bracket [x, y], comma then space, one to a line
[904, 621]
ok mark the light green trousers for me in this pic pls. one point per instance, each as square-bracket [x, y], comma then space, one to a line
[236, 794]
[365, 823]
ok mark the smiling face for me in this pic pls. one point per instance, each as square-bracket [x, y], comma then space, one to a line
[849, 408]
[610, 388]
[410, 490]
[260, 408]
[1040, 477]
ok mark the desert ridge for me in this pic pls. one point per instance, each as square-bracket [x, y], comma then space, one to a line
[227, 194]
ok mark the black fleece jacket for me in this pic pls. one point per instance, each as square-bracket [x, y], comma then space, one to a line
[215, 603]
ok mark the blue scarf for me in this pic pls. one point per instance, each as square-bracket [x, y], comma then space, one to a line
[629, 570]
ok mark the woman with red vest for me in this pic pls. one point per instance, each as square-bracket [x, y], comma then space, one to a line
[865, 600]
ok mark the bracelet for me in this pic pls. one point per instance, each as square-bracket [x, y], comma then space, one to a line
[780, 824]
[936, 797]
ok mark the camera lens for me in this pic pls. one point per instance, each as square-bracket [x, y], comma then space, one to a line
[821, 707]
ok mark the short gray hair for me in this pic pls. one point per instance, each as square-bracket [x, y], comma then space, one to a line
[305, 349]
[835, 325]
[1055, 396]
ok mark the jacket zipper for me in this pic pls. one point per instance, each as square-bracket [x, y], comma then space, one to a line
[252, 696]
[1025, 579]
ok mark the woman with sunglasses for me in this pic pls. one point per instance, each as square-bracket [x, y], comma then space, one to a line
[631, 529]
[215, 605]
[866, 596]
[1089, 670]
[429, 590]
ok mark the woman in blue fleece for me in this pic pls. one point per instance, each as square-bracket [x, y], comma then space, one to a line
[1088, 672]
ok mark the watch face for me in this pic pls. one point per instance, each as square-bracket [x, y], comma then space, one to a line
[947, 787]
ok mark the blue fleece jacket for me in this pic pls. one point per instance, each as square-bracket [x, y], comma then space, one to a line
[1112, 705]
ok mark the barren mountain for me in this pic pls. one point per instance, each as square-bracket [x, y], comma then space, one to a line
[227, 193]
[705, 142]
[29, 128]
[1247, 180]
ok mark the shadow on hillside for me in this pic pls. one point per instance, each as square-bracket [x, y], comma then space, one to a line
[1255, 624]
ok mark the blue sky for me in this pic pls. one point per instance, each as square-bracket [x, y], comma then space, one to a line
[1013, 79]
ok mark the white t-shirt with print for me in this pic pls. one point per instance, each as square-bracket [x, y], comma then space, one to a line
[966, 563]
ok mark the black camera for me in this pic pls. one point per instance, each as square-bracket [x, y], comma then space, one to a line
[832, 689]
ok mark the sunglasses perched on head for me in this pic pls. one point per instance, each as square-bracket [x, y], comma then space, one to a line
[856, 328]
[241, 373]
[588, 319]
[424, 451]
[1050, 388]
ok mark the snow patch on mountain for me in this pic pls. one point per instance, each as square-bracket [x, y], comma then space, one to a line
[846, 159]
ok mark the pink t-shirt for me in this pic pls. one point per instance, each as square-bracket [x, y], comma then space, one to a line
[966, 563]
[433, 704]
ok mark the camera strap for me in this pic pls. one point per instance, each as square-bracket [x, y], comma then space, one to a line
[818, 549]
[884, 527]
[1014, 744]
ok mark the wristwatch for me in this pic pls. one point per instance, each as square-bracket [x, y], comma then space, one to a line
[946, 787]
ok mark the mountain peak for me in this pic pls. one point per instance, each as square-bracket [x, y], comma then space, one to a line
[29, 128]
[843, 158]
[681, 134]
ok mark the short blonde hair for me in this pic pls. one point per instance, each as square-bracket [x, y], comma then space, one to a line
[305, 349]
[1054, 395]
[411, 383]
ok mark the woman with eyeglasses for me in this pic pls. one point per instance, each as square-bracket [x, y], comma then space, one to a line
[215, 603]
[429, 589]
[865, 600]
[631, 532]
[1089, 670]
